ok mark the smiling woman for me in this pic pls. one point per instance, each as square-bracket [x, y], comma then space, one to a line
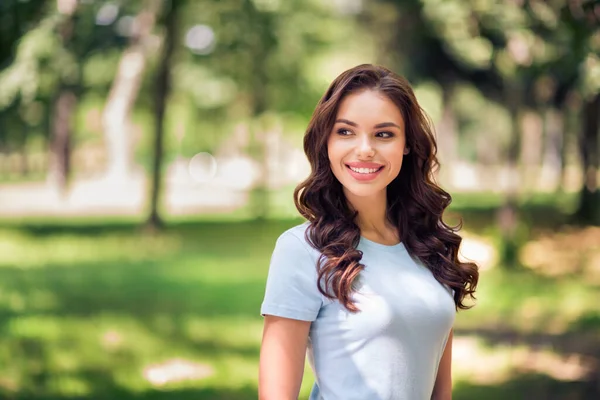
[369, 285]
[364, 149]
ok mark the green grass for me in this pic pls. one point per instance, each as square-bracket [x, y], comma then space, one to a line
[86, 307]
[192, 292]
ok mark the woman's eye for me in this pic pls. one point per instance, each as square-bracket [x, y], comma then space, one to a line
[344, 132]
[385, 134]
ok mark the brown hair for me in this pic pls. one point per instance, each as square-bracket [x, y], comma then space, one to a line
[415, 203]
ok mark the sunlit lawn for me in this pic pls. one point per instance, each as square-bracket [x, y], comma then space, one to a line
[85, 312]
[101, 312]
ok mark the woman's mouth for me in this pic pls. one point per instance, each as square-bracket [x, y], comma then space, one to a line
[364, 172]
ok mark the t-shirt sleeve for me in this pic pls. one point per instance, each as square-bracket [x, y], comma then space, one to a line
[291, 290]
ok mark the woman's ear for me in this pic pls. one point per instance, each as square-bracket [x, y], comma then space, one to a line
[406, 150]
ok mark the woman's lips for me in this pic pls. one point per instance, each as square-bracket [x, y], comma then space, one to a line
[364, 176]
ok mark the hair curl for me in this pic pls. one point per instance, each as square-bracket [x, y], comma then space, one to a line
[415, 203]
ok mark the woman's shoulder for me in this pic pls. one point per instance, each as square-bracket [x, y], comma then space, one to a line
[291, 289]
[299, 231]
[294, 239]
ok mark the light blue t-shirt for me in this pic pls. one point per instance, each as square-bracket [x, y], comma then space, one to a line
[391, 348]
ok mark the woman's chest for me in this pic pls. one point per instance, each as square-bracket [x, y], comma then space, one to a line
[395, 297]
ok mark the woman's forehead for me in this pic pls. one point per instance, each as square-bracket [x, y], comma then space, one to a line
[369, 106]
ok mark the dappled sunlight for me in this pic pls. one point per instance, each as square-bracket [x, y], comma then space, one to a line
[209, 269]
[473, 362]
[238, 371]
[192, 351]
[70, 385]
[225, 332]
[479, 250]
[184, 318]
[127, 311]
[17, 300]
[46, 328]
[112, 340]
[570, 251]
[489, 365]
[525, 302]
[21, 250]
[567, 367]
[536, 312]
[176, 370]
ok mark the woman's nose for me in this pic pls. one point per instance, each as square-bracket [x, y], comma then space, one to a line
[365, 147]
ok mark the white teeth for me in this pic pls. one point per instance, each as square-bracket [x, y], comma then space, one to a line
[364, 170]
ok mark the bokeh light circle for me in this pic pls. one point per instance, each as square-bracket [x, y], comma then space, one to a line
[200, 39]
[202, 167]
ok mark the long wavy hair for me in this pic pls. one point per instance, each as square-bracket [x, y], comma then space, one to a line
[415, 203]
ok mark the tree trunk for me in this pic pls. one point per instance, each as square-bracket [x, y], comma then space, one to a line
[63, 108]
[3, 130]
[552, 162]
[162, 89]
[569, 130]
[123, 94]
[259, 147]
[24, 159]
[508, 214]
[260, 198]
[589, 201]
[60, 145]
[530, 137]
[447, 137]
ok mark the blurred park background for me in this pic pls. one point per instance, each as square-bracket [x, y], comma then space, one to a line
[149, 149]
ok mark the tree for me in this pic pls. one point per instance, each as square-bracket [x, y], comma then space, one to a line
[46, 72]
[588, 211]
[507, 51]
[124, 92]
[44, 68]
[65, 102]
[265, 49]
[161, 94]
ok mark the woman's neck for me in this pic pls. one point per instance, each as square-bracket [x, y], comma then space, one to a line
[372, 218]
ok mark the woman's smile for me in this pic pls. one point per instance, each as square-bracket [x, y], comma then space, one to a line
[364, 171]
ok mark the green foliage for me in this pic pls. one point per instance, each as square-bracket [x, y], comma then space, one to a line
[474, 113]
[44, 61]
[99, 70]
[16, 18]
[28, 74]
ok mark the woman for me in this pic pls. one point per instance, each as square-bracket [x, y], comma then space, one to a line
[369, 285]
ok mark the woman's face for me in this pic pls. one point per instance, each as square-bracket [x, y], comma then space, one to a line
[367, 143]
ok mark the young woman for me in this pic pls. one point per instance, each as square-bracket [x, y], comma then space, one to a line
[370, 284]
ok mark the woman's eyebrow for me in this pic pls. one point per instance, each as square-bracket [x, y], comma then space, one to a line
[381, 125]
[345, 121]
[387, 125]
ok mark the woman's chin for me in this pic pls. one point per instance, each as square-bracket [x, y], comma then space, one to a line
[362, 190]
